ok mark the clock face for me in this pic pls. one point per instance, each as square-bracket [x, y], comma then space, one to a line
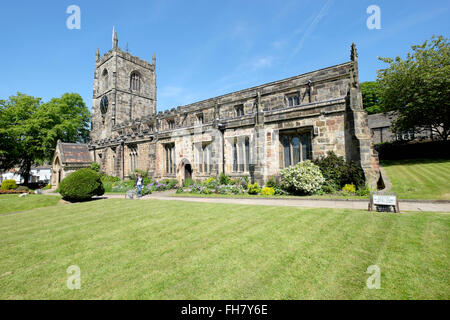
[104, 104]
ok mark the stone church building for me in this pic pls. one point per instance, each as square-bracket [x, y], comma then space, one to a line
[254, 132]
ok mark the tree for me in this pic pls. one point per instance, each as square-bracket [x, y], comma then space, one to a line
[30, 129]
[418, 88]
[371, 97]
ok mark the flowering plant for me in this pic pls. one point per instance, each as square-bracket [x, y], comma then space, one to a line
[304, 178]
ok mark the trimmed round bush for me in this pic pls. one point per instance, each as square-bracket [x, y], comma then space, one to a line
[81, 185]
[303, 178]
[9, 185]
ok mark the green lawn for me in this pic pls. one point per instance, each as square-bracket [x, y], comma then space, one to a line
[176, 250]
[12, 202]
[420, 179]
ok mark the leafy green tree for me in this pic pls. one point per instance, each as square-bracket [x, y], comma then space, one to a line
[418, 88]
[371, 97]
[30, 129]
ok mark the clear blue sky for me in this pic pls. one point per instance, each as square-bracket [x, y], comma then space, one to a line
[203, 48]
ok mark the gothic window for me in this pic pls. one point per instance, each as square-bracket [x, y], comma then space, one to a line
[133, 158]
[293, 100]
[204, 157]
[135, 81]
[296, 148]
[239, 110]
[247, 154]
[169, 152]
[241, 154]
[105, 80]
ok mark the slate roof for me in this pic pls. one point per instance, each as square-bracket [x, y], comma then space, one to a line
[75, 153]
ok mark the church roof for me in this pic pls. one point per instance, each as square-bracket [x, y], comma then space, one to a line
[74, 153]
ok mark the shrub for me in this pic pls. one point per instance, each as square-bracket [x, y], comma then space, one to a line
[349, 188]
[95, 166]
[338, 172]
[81, 185]
[211, 183]
[23, 189]
[224, 179]
[9, 185]
[363, 191]
[303, 178]
[47, 187]
[353, 174]
[268, 191]
[253, 188]
[272, 182]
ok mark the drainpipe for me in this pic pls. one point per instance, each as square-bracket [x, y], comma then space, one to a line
[222, 131]
[122, 143]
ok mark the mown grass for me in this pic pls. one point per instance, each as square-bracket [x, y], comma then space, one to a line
[419, 179]
[153, 249]
[12, 202]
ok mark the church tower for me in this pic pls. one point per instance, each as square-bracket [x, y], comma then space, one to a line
[124, 90]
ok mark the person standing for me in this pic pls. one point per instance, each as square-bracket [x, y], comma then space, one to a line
[139, 184]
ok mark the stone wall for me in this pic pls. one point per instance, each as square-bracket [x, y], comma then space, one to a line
[328, 105]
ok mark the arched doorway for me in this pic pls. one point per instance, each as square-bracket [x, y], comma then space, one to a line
[184, 171]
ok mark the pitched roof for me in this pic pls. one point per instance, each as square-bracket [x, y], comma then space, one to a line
[75, 153]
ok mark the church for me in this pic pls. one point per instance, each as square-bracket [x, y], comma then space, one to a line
[253, 132]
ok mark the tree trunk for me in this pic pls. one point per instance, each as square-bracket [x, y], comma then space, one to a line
[26, 171]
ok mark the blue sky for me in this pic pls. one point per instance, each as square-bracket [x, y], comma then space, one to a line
[203, 48]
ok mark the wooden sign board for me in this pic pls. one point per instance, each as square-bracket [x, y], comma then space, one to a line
[384, 202]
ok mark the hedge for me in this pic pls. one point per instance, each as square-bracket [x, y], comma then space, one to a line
[81, 185]
[414, 150]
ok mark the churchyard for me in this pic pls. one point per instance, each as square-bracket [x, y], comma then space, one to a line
[154, 249]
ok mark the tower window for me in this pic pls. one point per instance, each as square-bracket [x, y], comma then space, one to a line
[105, 80]
[135, 81]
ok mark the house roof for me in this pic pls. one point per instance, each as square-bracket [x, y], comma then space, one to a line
[75, 153]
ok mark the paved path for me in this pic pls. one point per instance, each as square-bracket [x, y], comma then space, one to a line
[405, 205]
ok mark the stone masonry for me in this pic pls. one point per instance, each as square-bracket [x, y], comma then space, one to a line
[239, 133]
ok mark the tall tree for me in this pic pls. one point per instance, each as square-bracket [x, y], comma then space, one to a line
[371, 97]
[30, 129]
[418, 88]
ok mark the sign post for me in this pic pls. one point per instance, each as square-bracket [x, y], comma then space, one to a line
[384, 202]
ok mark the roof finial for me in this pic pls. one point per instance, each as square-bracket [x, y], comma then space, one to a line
[354, 53]
[154, 58]
[115, 40]
[97, 54]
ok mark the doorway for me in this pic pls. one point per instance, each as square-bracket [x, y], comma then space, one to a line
[187, 171]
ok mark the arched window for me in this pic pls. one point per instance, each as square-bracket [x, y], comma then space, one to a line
[135, 81]
[105, 80]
